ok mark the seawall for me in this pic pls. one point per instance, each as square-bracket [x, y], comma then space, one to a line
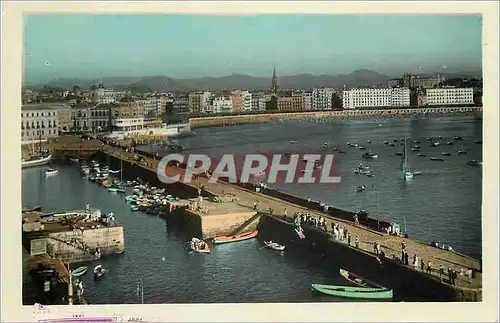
[408, 284]
[200, 122]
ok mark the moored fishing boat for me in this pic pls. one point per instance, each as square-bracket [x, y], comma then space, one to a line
[475, 162]
[274, 245]
[353, 292]
[235, 238]
[436, 158]
[79, 271]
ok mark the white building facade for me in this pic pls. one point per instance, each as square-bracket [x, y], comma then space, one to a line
[450, 96]
[222, 104]
[372, 98]
[321, 99]
[247, 100]
[307, 100]
[400, 97]
[38, 122]
[105, 96]
[152, 106]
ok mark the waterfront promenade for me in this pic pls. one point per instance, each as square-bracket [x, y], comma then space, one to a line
[391, 245]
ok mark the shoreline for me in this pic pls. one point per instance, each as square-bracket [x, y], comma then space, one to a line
[230, 120]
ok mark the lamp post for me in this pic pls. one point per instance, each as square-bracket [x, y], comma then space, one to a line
[140, 289]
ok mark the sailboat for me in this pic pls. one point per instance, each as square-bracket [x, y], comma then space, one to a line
[408, 175]
[36, 159]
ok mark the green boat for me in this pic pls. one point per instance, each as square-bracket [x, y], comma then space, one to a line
[353, 291]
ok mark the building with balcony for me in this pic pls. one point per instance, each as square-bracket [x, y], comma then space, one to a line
[152, 106]
[321, 99]
[222, 104]
[237, 101]
[367, 98]
[258, 101]
[100, 117]
[307, 100]
[181, 104]
[102, 95]
[450, 96]
[400, 97]
[38, 122]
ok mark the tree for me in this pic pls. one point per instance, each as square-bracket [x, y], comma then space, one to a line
[272, 105]
[337, 103]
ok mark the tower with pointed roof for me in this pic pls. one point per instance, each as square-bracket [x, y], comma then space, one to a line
[274, 83]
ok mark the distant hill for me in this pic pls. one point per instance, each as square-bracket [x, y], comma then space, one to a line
[230, 82]
[162, 83]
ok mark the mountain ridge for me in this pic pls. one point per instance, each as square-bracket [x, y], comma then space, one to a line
[162, 83]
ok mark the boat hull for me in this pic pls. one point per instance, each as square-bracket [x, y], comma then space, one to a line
[353, 292]
[274, 246]
[36, 162]
[79, 271]
[235, 238]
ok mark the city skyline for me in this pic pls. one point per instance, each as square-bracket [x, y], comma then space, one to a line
[95, 46]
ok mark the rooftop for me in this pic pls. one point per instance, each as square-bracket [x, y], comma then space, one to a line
[41, 106]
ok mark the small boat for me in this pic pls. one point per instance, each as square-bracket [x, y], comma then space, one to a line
[449, 143]
[79, 271]
[235, 238]
[51, 171]
[421, 155]
[415, 149]
[300, 233]
[416, 142]
[74, 160]
[462, 152]
[112, 189]
[370, 175]
[478, 142]
[99, 271]
[120, 190]
[114, 171]
[368, 141]
[356, 171]
[399, 154]
[458, 138]
[199, 246]
[37, 208]
[475, 162]
[436, 158]
[355, 279]
[361, 166]
[340, 151]
[353, 292]
[370, 155]
[293, 142]
[445, 154]
[134, 208]
[362, 148]
[435, 144]
[360, 188]
[274, 245]
[392, 144]
[386, 142]
[35, 161]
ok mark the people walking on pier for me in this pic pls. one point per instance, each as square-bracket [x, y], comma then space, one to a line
[429, 267]
[356, 242]
[285, 213]
[406, 259]
[415, 264]
[469, 275]
[441, 272]
[422, 265]
[349, 239]
[356, 220]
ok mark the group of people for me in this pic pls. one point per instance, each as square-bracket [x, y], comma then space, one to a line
[308, 219]
[419, 264]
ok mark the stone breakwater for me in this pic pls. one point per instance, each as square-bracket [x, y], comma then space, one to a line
[200, 122]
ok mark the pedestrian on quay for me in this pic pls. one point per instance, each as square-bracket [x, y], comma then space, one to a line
[349, 239]
[441, 272]
[285, 212]
[422, 265]
[469, 275]
[406, 259]
[429, 267]
[357, 242]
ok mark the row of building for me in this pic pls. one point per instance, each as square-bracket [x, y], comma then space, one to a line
[403, 97]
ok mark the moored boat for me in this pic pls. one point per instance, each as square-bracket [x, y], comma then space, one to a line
[236, 238]
[99, 271]
[35, 161]
[475, 162]
[353, 292]
[274, 245]
[79, 271]
[436, 158]
[370, 155]
[198, 245]
[355, 279]
[51, 171]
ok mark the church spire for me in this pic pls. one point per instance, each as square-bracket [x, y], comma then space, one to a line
[274, 83]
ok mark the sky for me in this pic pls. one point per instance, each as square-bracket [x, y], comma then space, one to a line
[91, 46]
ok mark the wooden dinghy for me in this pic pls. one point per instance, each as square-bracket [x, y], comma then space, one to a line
[353, 292]
[236, 238]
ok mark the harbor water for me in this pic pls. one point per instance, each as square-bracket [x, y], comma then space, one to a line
[443, 204]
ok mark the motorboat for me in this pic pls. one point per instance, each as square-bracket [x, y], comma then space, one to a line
[79, 271]
[445, 154]
[436, 158]
[199, 245]
[462, 152]
[360, 188]
[274, 245]
[51, 171]
[475, 162]
[370, 155]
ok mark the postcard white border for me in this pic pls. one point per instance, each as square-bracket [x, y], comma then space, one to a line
[12, 310]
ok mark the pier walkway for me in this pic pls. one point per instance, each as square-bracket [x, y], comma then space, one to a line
[391, 245]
